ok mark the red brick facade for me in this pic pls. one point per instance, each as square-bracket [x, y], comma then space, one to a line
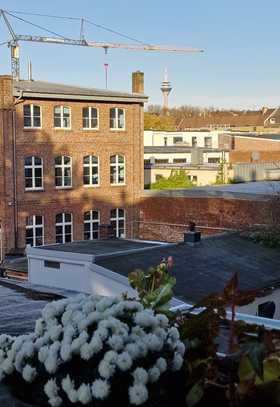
[167, 218]
[48, 143]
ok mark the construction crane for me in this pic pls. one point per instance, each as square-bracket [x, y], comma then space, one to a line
[13, 43]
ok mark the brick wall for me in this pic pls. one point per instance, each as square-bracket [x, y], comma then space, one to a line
[250, 144]
[163, 218]
[246, 156]
[48, 143]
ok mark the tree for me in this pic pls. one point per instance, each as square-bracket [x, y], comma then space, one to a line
[158, 122]
[177, 179]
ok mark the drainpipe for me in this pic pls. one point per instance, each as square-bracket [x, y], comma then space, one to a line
[15, 204]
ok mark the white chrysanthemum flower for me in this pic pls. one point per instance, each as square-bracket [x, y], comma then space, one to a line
[177, 362]
[2, 355]
[105, 369]
[55, 401]
[49, 312]
[78, 342]
[40, 326]
[65, 352]
[7, 366]
[146, 319]
[101, 333]
[51, 363]
[154, 374]
[140, 375]
[67, 384]
[100, 389]
[163, 320]
[111, 356]
[116, 342]
[51, 388]
[142, 348]
[161, 364]
[160, 332]
[180, 348]
[133, 350]
[29, 373]
[66, 317]
[55, 332]
[138, 394]
[153, 342]
[104, 303]
[28, 349]
[73, 396]
[43, 354]
[174, 334]
[84, 394]
[124, 361]
[94, 316]
[39, 343]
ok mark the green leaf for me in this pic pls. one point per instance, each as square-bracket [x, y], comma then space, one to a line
[245, 369]
[195, 394]
[255, 353]
[271, 370]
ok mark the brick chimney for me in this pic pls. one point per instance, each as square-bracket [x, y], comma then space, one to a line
[138, 82]
[6, 91]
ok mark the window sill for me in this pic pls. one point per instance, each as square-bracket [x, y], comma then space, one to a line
[92, 186]
[63, 128]
[31, 128]
[90, 129]
[70, 187]
[117, 185]
[34, 190]
[117, 129]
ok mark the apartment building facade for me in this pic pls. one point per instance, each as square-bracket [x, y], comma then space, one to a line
[72, 162]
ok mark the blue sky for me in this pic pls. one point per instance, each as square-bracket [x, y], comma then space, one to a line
[239, 68]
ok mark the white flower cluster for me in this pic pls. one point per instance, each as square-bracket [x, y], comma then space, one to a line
[117, 333]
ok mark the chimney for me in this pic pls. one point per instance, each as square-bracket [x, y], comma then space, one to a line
[138, 82]
[30, 70]
[6, 91]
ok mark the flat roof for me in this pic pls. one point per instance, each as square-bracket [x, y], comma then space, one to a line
[205, 268]
[245, 190]
[102, 248]
[180, 149]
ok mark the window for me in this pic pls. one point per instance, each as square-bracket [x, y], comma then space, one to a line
[177, 140]
[117, 119]
[31, 116]
[161, 161]
[179, 160]
[52, 264]
[91, 225]
[62, 117]
[117, 169]
[63, 227]
[194, 141]
[118, 222]
[165, 141]
[147, 161]
[90, 118]
[33, 172]
[63, 171]
[213, 160]
[208, 142]
[34, 230]
[91, 170]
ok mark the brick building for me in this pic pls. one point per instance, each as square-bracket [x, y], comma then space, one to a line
[71, 161]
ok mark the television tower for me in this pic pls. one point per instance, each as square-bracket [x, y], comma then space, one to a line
[166, 89]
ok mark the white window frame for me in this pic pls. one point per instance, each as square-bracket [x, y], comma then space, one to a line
[63, 166]
[90, 118]
[116, 110]
[61, 117]
[206, 139]
[34, 227]
[91, 222]
[91, 165]
[63, 224]
[117, 165]
[32, 117]
[33, 166]
[117, 219]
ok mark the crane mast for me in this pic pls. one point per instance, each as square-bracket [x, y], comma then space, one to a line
[15, 38]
